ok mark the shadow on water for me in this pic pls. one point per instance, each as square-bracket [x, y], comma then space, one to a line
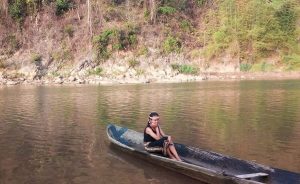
[153, 173]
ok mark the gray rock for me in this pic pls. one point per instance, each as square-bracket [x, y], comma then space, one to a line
[81, 81]
[58, 80]
[72, 79]
[12, 82]
[87, 63]
[150, 80]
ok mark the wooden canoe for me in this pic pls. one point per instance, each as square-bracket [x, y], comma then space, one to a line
[203, 165]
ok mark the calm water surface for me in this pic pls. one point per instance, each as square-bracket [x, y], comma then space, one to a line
[57, 134]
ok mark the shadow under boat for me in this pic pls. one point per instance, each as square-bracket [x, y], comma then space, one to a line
[151, 171]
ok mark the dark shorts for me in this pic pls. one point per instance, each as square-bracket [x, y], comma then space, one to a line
[159, 146]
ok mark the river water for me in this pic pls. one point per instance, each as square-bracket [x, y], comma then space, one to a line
[57, 134]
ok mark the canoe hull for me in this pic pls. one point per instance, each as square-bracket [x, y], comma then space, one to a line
[130, 142]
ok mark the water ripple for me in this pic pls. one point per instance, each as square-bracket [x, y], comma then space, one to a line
[57, 134]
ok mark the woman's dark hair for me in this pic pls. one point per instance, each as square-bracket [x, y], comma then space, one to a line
[152, 114]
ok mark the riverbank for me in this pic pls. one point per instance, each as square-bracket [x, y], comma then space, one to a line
[124, 44]
[154, 78]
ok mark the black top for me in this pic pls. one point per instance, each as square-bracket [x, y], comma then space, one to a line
[147, 137]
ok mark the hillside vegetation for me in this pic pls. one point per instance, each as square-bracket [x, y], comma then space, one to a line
[60, 37]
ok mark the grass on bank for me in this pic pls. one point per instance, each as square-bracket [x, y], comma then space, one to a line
[292, 62]
[96, 71]
[185, 69]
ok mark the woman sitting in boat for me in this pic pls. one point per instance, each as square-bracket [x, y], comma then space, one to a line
[155, 140]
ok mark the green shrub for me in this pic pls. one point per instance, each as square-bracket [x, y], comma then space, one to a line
[96, 71]
[101, 42]
[62, 6]
[17, 10]
[14, 75]
[133, 63]
[180, 5]
[292, 62]
[188, 69]
[34, 6]
[64, 54]
[220, 40]
[36, 58]
[47, 2]
[146, 14]
[2, 65]
[261, 67]
[171, 44]
[195, 53]
[131, 32]
[166, 10]
[186, 25]
[260, 27]
[11, 43]
[67, 54]
[287, 18]
[140, 72]
[185, 69]
[245, 67]
[142, 51]
[118, 39]
[117, 46]
[200, 3]
[69, 30]
[117, 2]
[219, 36]
[55, 74]
[175, 66]
[113, 13]
[132, 38]
[266, 67]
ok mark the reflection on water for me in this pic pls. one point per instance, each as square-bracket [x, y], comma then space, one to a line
[57, 134]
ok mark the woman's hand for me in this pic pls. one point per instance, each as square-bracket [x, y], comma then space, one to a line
[157, 131]
[150, 132]
[169, 138]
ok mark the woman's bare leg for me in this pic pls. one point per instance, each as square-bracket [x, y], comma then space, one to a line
[174, 152]
[170, 154]
[173, 149]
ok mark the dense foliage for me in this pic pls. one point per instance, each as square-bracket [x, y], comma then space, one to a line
[115, 39]
[19, 9]
[249, 30]
[253, 29]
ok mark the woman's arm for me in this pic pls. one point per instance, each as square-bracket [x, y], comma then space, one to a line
[150, 132]
[161, 131]
[164, 135]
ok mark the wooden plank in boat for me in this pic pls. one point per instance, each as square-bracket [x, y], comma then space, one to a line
[252, 175]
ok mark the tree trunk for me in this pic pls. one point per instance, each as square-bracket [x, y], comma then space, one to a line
[128, 10]
[146, 5]
[78, 9]
[153, 11]
[89, 17]
[5, 7]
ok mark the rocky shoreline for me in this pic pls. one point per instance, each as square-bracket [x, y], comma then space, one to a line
[120, 71]
[99, 80]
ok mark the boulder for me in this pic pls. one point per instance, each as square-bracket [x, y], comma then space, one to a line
[72, 79]
[58, 80]
[10, 82]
